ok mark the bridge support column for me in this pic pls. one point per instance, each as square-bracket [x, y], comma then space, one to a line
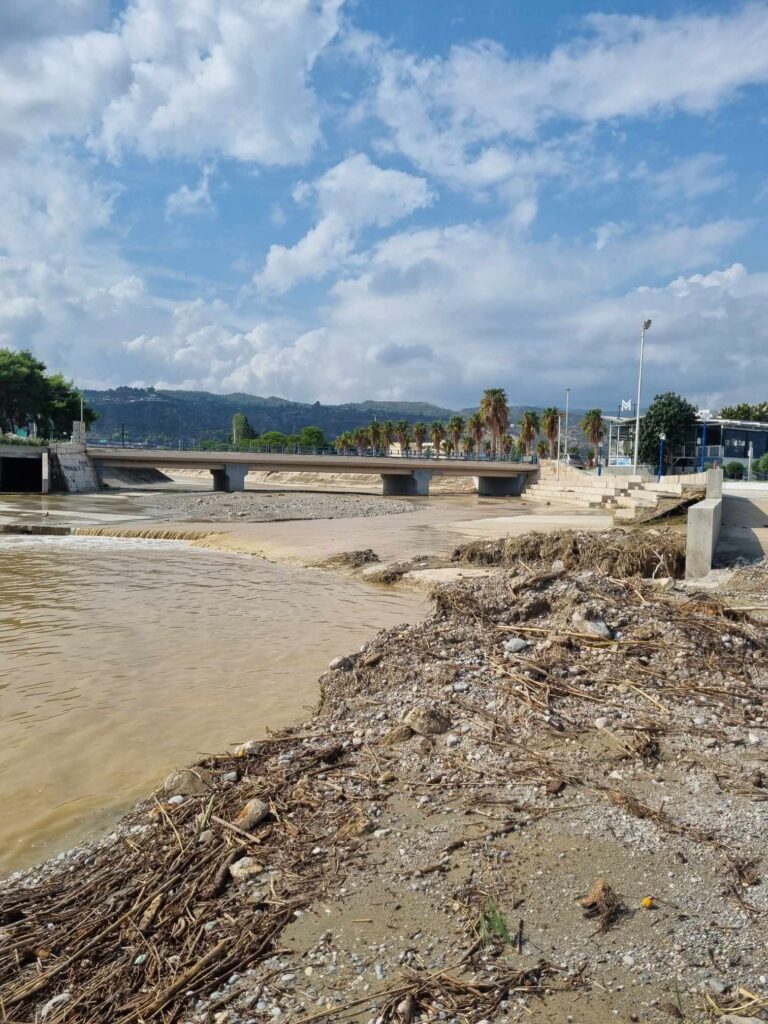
[231, 478]
[416, 484]
[500, 486]
[46, 474]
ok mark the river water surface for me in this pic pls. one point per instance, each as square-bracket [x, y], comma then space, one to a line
[120, 660]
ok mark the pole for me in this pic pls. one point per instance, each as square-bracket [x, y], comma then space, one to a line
[567, 397]
[122, 429]
[703, 444]
[600, 458]
[750, 453]
[558, 445]
[646, 325]
[661, 454]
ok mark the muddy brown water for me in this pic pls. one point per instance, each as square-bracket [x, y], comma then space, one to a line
[120, 660]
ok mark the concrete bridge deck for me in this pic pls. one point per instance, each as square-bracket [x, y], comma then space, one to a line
[401, 475]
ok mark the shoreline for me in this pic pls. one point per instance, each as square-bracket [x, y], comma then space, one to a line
[447, 809]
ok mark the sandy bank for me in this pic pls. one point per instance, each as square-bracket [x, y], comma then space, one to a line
[546, 799]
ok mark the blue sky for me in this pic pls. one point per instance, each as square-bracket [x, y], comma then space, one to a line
[339, 200]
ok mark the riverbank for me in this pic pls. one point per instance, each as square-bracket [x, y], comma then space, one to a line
[547, 798]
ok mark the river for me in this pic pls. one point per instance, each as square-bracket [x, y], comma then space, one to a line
[120, 660]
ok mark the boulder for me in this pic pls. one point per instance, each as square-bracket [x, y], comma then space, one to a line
[189, 782]
[427, 720]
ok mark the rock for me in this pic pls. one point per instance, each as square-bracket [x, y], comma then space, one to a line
[732, 1018]
[254, 812]
[249, 747]
[754, 738]
[757, 779]
[176, 800]
[709, 741]
[340, 664]
[452, 740]
[597, 628]
[555, 786]
[427, 720]
[229, 776]
[558, 565]
[189, 782]
[515, 645]
[245, 868]
[602, 722]
[716, 986]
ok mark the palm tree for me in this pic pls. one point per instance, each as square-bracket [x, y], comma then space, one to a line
[488, 448]
[550, 424]
[403, 431]
[467, 444]
[494, 408]
[387, 435]
[455, 430]
[419, 435]
[592, 425]
[542, 448]
[507, 444]
[374, 432]
[476, 428]
[344, 442]
[449, 447]
[437, 435]
[361, 439]
[529, 427]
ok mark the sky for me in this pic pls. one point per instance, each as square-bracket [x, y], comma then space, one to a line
[337, 200]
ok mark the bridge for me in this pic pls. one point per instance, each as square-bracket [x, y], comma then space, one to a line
[401, 475]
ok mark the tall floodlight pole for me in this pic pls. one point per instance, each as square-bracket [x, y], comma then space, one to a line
[646, 327]
[567, 397]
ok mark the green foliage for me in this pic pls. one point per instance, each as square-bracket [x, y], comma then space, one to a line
[529, 427]
[734, 470]
[419, 435]
[273, 439]
[494, 408]
[312, 437]
[762, 464]
[29, 395]
[491, 926]
[669, 414]
[242, 430]
[550, 424]
[592, 425]
[745, 411]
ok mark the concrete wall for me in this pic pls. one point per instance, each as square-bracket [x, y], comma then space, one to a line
[704, 521]
[72, 470]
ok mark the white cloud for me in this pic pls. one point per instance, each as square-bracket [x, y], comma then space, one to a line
[689, 178]
[350, 196]
[186, 201]
[220, 76]
[476, 116]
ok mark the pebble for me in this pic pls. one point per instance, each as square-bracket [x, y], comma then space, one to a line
[598, 628]
[452, 740]
[189, 782]
[515, 645]
[602, 722]
[340, 664]
[245, 868]
[229, 776]
[254, 812]
[427, 720]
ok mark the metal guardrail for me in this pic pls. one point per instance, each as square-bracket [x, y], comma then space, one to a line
[427, 456]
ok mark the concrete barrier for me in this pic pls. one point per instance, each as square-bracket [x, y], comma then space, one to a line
[704, 520]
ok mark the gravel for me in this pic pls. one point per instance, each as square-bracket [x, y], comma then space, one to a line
[271, 506]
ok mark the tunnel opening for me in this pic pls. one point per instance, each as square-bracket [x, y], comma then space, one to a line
[22, 474]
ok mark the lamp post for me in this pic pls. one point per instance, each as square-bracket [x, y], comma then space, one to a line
[559, 420]
[646, 327]
[567, 398]
[704, 413]
[662, 439]
[600, 456]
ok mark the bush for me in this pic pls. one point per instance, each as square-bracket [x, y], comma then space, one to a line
[734, 471]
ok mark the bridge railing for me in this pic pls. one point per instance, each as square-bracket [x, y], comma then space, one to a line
[295, 449]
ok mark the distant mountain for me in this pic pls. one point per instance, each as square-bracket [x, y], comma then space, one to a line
[156, 417]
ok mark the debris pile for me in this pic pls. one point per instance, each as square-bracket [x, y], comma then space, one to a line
[646, 553]
[552, 792]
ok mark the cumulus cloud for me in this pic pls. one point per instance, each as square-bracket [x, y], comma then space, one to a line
[349, 197]
[186, 201]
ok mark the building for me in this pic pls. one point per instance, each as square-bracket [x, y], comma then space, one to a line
[727, 441]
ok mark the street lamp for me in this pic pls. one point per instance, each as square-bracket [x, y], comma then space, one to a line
[567, 398]
[646, 327]
[704, 413]
[662, 439]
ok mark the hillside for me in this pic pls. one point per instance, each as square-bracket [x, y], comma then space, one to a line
[159, 417]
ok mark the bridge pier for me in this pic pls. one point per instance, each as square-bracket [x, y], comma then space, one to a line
[415, 484]
[231, 478]
[500, 486]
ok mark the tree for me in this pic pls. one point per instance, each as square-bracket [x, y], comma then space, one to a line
[592, 426]
[374, 432]
[467, 444]
[745, 411]
[476, 428]
[403, 433]
[507, 444]
[550, 424]
[448, 447]
[437, 435]
[272, 439]
[344, 442]
[361, 439]
[529, 427]
[671, 415]
[387, 435]
[494, 408]
[312, 437]
[241, 429]
[29, 395]
[455, 430]
[419, 435]
[543, 449]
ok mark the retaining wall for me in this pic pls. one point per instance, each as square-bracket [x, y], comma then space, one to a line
[72, 470]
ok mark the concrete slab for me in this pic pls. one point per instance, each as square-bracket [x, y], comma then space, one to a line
[517, 525]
